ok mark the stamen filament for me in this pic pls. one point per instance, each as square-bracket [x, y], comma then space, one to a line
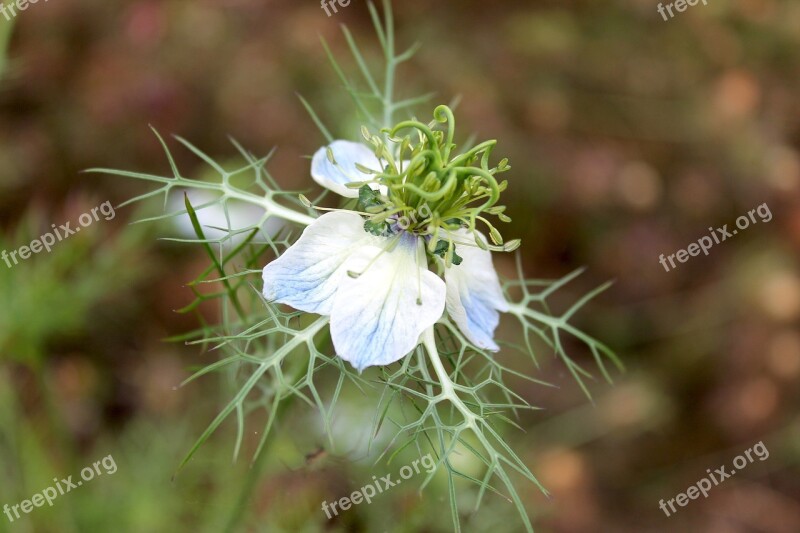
[388, 248]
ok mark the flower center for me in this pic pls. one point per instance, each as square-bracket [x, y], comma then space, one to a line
[432, 189]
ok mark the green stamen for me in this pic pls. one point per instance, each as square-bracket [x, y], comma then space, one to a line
[431, 189]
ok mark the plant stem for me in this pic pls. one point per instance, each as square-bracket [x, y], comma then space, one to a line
[256, 471]
[269, 205]
[448, 388]
[391, 65]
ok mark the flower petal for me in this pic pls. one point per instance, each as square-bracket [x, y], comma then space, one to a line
[474, 296]
[346, 154]
[307, 275]
[378, 317]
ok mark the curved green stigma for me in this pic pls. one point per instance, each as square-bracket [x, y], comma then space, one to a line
[432, 188]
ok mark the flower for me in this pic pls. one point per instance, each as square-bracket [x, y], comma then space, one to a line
[369, 270]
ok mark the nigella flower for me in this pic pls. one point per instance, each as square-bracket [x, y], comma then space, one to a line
[370, 269]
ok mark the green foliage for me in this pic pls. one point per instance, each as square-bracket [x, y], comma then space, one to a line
[137, 497]
[52, 294]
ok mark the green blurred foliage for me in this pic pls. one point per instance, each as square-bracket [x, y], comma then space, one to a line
[52, 295]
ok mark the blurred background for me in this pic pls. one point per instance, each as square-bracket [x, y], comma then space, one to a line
[628, 135]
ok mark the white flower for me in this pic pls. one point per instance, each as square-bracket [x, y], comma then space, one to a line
[378, 291]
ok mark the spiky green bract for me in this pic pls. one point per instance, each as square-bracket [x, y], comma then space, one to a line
[550, 329]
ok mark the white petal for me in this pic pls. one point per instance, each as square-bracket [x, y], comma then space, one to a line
[474, 296]
[346, 154]
[377, 318]
[307, 275]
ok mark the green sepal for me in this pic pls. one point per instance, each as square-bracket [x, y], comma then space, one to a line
[379, 229]
[441, 251]
[368, 199]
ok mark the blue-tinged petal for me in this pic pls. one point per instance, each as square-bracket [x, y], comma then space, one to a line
[307, 275]
[378, 317]
[474, 295]
[335, 176]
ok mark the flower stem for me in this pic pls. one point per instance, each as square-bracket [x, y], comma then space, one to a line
[448, 388]
[268, 204]
[494, 460]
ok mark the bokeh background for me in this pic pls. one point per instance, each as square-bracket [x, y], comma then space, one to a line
[628, 137]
